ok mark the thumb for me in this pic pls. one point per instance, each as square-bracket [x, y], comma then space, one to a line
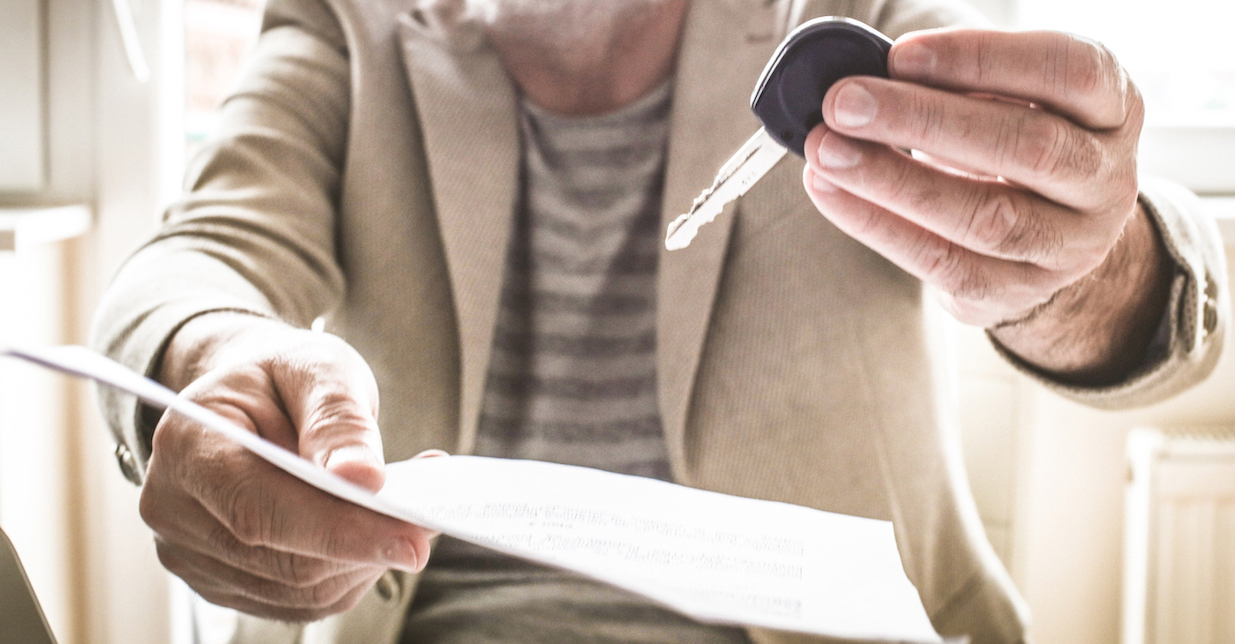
[360, 464]
[332, 401]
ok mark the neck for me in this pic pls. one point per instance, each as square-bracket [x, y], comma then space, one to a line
[609, 59]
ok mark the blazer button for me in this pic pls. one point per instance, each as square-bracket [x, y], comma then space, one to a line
[128, 464]
[1209, 311]
[387, 586]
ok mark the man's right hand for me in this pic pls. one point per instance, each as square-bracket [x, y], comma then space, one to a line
[239, 531]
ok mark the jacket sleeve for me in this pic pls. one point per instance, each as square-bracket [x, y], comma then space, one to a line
[255, 230]
[1190, 337]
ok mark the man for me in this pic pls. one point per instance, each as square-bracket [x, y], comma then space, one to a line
[473, 194]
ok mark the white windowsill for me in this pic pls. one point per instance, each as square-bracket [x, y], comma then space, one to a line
[25, 227]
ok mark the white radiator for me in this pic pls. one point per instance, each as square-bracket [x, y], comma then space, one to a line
[1179, 538]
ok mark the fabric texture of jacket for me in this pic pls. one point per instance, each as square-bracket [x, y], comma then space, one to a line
[367, 169]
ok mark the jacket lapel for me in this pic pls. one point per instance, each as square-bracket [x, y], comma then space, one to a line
[467, 107]
[468, 116]
[725, 45]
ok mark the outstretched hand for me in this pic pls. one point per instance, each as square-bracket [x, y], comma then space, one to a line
[1019, 204]
[242, 533]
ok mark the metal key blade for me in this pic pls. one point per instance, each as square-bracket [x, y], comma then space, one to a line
[740, 172]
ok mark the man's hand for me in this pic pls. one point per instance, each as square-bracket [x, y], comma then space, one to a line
[1020, 203]
[241, 532]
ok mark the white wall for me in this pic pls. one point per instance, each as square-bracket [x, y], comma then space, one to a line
[73, 518]
[38, 476]
[127, 586]
[1075, 528]
[22, 152]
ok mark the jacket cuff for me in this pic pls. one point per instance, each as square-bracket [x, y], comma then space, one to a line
[1190, 336]
[141, 349]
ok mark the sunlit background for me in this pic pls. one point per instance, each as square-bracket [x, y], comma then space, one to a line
[102, 102]
[1181, 54]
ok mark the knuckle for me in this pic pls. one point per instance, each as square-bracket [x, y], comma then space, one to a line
[325, 595]
[169, 558]
[336, 406]
[1082, 67]
[164, 438]
[986, 220]
[247, 513]
[1091, 74]
[922, 254]
[1039, 143]
[321, 601]
[972, 286]
[315, 600]
[906, 185]
[353, 596]
[1050, 148]
[957, 275]
[1028, 235]
[865, 222]
[302, 572]
[1084, 155]
[1135, 105]
[927, 115]
[221, 541]
[150, 508]
[333, 543]
[999, 222]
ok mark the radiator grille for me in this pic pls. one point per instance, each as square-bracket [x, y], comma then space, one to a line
[1179, 571]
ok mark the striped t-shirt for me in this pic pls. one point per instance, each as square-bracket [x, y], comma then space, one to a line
[572, 378]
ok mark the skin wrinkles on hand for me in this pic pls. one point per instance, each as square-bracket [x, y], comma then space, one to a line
[242, 533]
[1021, 211]
[1054, 255]
[247, 536]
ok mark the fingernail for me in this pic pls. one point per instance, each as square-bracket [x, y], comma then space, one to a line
[820, 184]
[352, 454]
[854, 106]
[837, 153]
[400, 554]
[432, 453]
[913, 59]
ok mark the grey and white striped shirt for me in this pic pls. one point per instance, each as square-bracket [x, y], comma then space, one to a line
[573, 371]
[572, 377]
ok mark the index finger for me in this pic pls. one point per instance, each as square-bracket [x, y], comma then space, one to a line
[264, 506]
[1067, 74]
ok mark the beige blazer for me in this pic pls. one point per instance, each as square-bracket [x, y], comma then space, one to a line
[366, 171]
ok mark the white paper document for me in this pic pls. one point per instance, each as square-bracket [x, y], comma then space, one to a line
[715, 557]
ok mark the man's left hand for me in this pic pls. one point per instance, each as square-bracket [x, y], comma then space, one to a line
[1020, 202]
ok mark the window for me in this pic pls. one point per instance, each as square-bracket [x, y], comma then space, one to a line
[218, 35]
[1178, 53]
[1181, 56]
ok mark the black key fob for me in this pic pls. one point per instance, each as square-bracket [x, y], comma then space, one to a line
[789, 96]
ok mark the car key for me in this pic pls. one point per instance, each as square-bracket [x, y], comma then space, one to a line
[788, 99]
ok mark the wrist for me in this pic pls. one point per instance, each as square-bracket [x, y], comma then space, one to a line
[211, 339]
[1097, 330]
